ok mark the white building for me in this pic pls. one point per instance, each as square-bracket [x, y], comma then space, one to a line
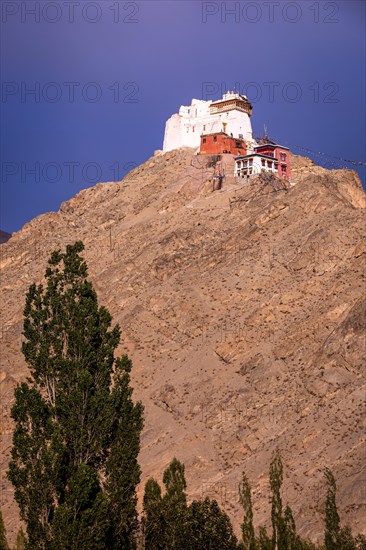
[255, 163]
[231, 114]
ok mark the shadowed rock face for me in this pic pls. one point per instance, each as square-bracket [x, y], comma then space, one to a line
[4, 236]
[242, 310]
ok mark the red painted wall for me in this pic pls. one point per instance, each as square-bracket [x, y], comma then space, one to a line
[223, 144]
[284, 167]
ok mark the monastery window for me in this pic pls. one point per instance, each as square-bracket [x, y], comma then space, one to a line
[204, 127]
[269, 164]
[283, 157]
[263, 162]
[283, 169]
[204, 140]
[250, 162]
[192, 128]
[215, 138]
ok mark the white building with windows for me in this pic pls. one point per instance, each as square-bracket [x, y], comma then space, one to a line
[231, 115]
[249, 165]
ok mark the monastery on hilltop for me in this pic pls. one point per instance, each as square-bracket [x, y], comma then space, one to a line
[224, 127]
[230, 115]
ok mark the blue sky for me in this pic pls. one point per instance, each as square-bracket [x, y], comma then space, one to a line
[107, 74]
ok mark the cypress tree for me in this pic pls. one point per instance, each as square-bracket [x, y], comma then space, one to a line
[76, 440]
[332, 522]
[247, 525]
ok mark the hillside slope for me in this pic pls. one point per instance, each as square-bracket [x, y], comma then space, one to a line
[242, 310]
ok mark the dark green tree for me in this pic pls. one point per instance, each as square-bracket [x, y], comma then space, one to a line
[208, 527]
[247, 527]
[3, 541]
[276, 479]
[332, 522]
[346, 540]
[164, 519]
[291, 539]
[153, 520]
[77, 432]
[175, 505]
[264, 542]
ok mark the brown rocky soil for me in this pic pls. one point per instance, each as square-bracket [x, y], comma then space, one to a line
[243, 311]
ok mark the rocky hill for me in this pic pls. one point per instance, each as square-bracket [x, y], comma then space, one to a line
[243, 311]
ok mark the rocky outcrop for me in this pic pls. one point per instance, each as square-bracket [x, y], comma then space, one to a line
[4, 236]
[242, 312]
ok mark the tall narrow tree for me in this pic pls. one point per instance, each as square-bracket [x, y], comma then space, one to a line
[165, 517]
[175, 505]
[292, 541]
[76, 440]
[332, 521]
[153, 520]
[276, 479]
[247, 525]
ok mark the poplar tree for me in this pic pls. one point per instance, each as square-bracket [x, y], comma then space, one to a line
[77, 432]
[292, 541]
[332, 521]
[175, 505]
[165, 518]
[209, 527]
[264, 541]
[276, 479]
[247, 527]
[153, 521]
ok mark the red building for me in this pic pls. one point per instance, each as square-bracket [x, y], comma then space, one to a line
[279, 152]
[220, 143]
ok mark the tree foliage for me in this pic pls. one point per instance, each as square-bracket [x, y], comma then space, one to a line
[164, 517]
[168, 522]
[278, 524]
[332, 522]
[76, 440]
[247, 527]
[208, 527]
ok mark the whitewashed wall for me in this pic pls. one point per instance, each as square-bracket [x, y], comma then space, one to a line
[185, 128]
